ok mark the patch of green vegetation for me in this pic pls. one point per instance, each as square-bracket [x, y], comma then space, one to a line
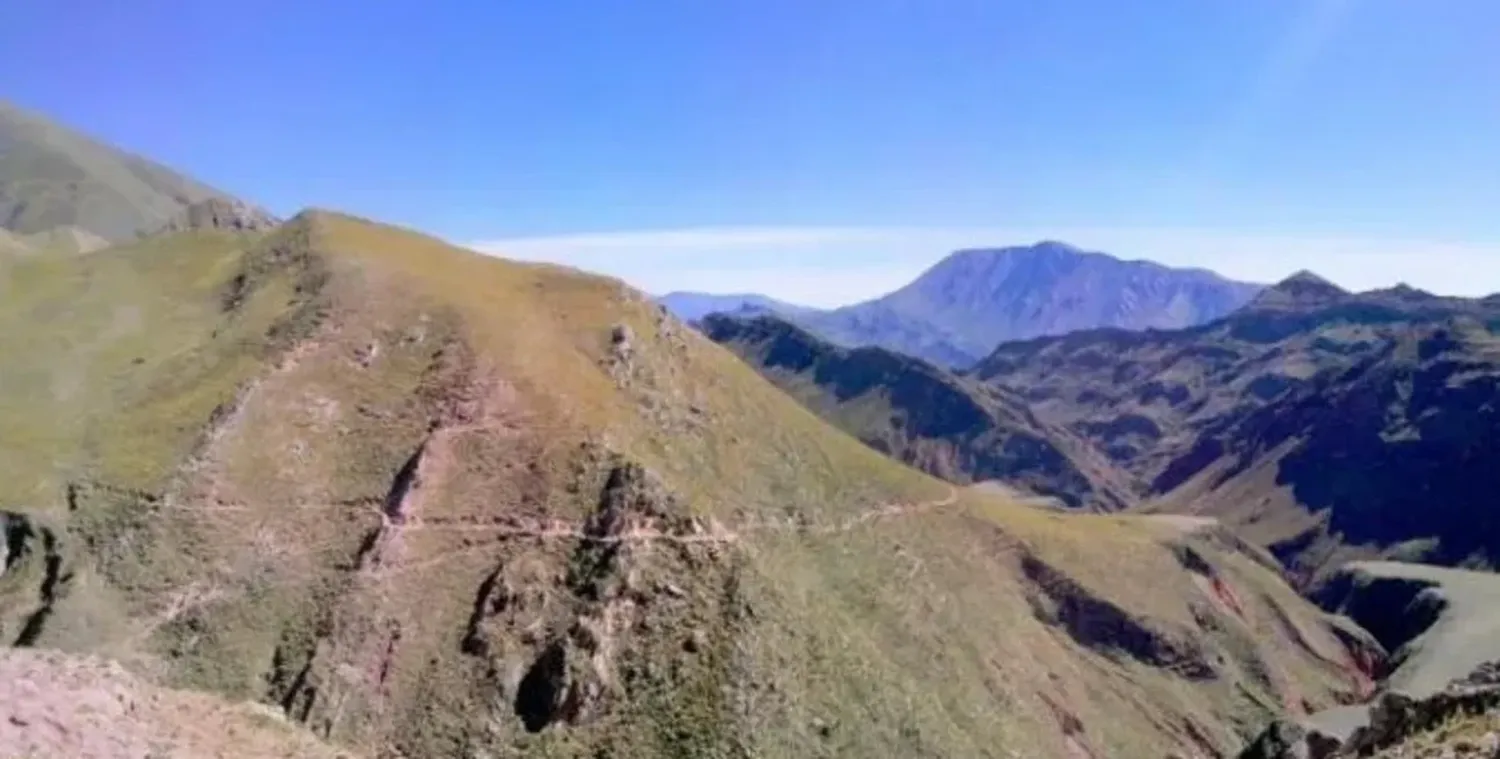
[116, 359]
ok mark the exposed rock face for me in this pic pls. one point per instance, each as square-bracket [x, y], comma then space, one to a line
[1289, 740]
[1097, 624]
[1393, 719]
[34, 569]
[1437, 623]
[1394, 609]
[221, 214]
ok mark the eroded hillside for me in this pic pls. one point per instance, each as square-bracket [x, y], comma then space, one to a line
[1324, 424]
[948, 426]
[429, 503]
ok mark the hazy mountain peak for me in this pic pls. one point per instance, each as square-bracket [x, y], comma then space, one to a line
[1041, 248]
[1304, 278]
[969, 302]
[692, 306]
[1405, 293]
[1302, 289]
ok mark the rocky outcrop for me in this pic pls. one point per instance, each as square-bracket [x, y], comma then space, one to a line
[1395, 610]
[220, 214]
[1286, 739]
[1393, 719]
[33, 565]
[1096, 624]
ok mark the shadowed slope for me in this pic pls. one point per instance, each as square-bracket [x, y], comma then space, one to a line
[958, 311]
[1327, 425]
[941, 423]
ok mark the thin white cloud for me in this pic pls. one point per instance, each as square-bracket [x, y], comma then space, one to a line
[828, 266]
[694, 238]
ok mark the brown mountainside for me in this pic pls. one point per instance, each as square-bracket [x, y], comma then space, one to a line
[428, 503]
[945, 424]
[1325, 424]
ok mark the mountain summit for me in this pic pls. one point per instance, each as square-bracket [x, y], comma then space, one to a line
[1303, 289]
[971, 301]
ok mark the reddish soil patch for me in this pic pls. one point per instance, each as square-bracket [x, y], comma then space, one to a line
[1225, 594]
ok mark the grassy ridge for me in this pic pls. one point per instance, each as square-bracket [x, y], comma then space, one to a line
[347, 469]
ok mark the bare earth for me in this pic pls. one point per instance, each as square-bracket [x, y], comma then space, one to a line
[56, 705]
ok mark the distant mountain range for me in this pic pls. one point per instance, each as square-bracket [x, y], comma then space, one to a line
[1325, 425]
[960, 309]
[690, 306]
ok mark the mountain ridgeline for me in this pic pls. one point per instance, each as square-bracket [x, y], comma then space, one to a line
[690, 307]
[945, 424]
[957, 311]
[1327, 425]
[424, 501]
[1323, 424]
[325, 486]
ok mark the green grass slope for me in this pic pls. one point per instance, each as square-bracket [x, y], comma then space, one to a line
[430, 504]
[51, 176]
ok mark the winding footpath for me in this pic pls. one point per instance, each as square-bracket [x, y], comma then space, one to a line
[648, 531]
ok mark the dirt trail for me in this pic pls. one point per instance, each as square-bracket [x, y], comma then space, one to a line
[650, 531]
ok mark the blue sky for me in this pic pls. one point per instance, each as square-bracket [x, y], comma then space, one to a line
[820, 150]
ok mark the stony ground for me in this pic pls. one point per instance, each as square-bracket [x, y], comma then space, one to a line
[55, 705]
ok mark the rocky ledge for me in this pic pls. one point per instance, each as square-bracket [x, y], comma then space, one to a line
[223, 215]
[1396, 719]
